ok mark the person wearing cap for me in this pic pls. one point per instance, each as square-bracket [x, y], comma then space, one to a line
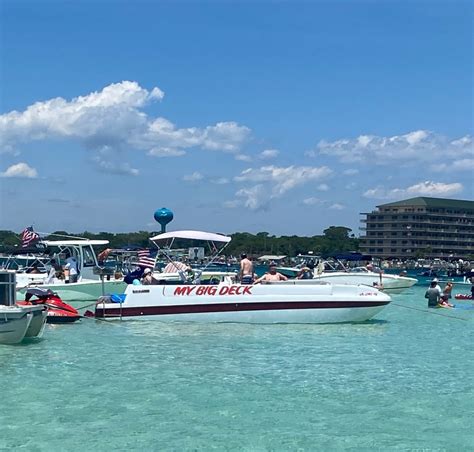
[306, 272]
[147, 278]
[271, 275]
[436, 280]
[433, 294]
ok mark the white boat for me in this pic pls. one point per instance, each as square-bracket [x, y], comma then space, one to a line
[18, 322]
[221, 299]
[337, 273]
[360, 275]
[90, 285]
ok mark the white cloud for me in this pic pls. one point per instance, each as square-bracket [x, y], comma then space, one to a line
[243, 157]
[220, 181]
[283, 178]
[194, 177]
[272, 182]
[427, 188]
[268, 154]
[337, 206]
[20, 170]
[312, 201]
[113, 118]
[232, 204]
[456, 165]
[350, 172]
[255, 197]
[322, 187]
[166, 152]
[411, 148]
[110, 167]
[162, 138]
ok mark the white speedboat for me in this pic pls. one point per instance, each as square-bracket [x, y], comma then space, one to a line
[221, 299]
[20, 322]
[17, 322]
[337, 273]
[360, 275]
[90, 285]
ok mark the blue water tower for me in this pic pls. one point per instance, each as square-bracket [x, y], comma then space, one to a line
[163, 216]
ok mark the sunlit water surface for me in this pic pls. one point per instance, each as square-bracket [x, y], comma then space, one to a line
[402, 381]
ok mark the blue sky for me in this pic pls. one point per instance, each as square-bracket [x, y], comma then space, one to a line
[284, 117]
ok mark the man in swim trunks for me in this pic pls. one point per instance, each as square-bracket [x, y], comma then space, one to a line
[433, 294]
[246, 270]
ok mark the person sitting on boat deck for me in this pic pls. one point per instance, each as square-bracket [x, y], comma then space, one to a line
[271, 275]
[246, 270]
[34, 268]
[373, 268]
[433, 294]
[147, 279]
[71, 267]
[306, 272]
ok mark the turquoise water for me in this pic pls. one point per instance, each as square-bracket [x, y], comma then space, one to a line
[403, 381]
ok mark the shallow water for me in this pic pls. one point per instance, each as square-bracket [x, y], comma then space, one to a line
[402, 381]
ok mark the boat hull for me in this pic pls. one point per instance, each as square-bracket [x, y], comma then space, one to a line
[13, 330]
[38, 322]
[17, 323]
[270, 303]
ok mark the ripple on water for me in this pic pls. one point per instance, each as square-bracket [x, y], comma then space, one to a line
[400, 382]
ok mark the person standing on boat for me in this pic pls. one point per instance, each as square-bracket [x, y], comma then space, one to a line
[433, 294]
[246, 270]
[271, 275]
[71, 267]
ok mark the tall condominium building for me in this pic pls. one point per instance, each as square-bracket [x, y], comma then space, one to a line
[420, 227]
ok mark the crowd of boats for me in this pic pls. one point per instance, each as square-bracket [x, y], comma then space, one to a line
[40, 283]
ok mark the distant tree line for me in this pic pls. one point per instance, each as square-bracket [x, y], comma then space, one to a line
[333, 240]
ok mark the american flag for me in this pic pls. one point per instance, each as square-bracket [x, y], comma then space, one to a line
[144, 259]
[28, 237]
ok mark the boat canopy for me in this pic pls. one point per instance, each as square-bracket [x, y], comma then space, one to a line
[76, 242]
[192, 235]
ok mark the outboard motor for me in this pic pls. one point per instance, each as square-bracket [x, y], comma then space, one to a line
[7, 288]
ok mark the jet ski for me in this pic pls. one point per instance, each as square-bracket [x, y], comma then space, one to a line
[463, 296]
[58, 311]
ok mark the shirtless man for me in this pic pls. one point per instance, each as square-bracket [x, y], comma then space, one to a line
[246, 270]
[271, 275]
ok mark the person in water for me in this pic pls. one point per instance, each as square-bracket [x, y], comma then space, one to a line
[433, 294]
[271, 275]
[446, 295]
[246, 270]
